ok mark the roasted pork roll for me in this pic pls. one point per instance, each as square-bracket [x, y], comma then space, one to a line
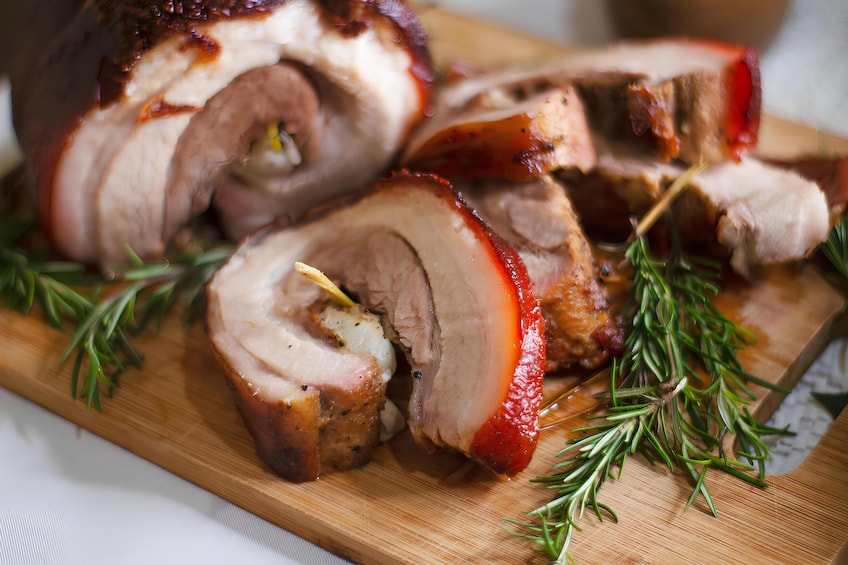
[451, 295]
[135, 115]
[692, 100]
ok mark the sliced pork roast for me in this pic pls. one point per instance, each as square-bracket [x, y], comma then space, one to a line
[691, 100]
[132, 114]
[761, 214]
[504, 136]
[497, 149]
[451, 295]
[538, 220]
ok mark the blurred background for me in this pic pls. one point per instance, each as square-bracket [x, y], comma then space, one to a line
[804, 43]
[85, 482]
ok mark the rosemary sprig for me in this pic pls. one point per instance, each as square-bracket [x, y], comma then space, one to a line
[835, 248]
[678, 390]
[26, 280]
[106, 308]
[148, 291]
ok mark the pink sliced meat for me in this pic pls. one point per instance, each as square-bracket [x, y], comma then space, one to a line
[538, 220]
[759, 214]
[452, 296]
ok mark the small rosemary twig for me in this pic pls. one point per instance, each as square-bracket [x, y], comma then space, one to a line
[676, 392]
[108, 308]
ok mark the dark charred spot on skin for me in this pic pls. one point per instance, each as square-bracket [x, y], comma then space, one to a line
[207, 46]
[532, 157]
[345, 412]
[303, 387]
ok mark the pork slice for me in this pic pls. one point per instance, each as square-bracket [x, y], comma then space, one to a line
[500, 137]
[692, 100]
[454, 298]
[538, 220]
[759, 213]
[132, 115]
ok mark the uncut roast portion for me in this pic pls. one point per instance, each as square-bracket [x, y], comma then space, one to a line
[136, 116]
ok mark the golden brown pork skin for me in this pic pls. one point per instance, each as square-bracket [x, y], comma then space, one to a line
[505, 137]
[104, 90]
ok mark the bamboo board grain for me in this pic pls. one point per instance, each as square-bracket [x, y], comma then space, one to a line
[405, 507]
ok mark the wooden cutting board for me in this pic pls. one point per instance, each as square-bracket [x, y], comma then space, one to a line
[405, 507]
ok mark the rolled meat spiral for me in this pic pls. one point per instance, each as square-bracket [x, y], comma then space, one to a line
[135, 115]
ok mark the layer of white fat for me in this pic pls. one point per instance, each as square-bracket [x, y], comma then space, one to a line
[101, 162]
[261, 326]
[653, 60]
[766, 215]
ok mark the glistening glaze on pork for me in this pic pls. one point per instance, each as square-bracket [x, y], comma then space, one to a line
[132, 113]
[453, 296]
[504, 137]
